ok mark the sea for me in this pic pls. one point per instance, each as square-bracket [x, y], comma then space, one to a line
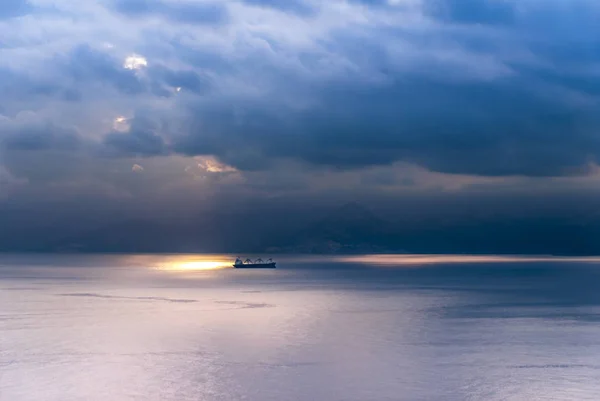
[317, 328]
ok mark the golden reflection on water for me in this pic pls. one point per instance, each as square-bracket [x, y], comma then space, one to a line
[188, 263]
[448, 259]
[196, 265]
[181, 263]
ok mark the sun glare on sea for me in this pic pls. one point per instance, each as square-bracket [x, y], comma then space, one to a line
[184, 263]
[181, 263]
[198, 265]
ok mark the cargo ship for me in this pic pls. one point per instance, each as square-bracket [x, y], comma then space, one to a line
[256, 264]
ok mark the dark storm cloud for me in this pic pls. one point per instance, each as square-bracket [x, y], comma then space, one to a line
[32, 137]
[87, 64]
[535, 117]
[20, 86]
[186, 80]
[376, 3]
[14, 8]
[140, 139]
[476, 128]
[472, 11]
[299, 7]
[478, 109]
[83, 67]
[136, 142]
[185, 12]
[485, 87]
[15, 84]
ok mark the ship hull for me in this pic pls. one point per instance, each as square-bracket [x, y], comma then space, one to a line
[256, 266]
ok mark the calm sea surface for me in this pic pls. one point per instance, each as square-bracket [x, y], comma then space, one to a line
[356, 329]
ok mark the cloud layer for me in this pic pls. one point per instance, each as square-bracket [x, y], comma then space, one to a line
[370, 93]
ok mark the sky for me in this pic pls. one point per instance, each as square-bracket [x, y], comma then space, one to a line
[161, 108]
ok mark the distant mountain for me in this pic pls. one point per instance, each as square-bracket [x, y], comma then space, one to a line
[351, 228]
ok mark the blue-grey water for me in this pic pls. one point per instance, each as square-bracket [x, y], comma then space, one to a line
[353, 329]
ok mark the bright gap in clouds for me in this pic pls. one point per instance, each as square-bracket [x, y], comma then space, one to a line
[135, 62]
[211, 165]
[121, 124]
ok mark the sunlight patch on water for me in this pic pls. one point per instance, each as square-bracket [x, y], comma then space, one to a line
[180, 263]
[447, 259]
[195, 263]
[198, 265]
